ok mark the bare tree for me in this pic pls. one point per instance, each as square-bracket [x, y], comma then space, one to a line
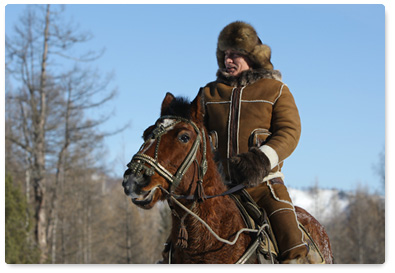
[47, 110]
[358, 233]
[366, 228]
[379, 169]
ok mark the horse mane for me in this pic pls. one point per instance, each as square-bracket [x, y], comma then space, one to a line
[180, 107]
[221, 214]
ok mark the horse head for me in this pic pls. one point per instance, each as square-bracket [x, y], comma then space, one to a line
[172, 158]
[171, 163]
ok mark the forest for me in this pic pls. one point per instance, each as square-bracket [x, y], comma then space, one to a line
[61, 204]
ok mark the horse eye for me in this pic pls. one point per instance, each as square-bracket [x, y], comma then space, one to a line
[184, 138]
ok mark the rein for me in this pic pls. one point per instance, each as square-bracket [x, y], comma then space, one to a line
[249, 252]
[140, 161]
[228, 192]
[208, 227]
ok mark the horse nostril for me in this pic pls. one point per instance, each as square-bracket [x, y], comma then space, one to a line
[126, 187]
[125, 179]
[127, 182]
[136, 178]
[126, 190]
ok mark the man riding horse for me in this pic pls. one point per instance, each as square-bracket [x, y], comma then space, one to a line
[254, 124]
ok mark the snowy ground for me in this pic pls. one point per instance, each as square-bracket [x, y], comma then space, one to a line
[321, 203]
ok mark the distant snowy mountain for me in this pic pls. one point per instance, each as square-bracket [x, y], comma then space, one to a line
[320, 203]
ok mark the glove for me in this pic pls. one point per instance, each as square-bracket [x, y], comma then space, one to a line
[249, 168]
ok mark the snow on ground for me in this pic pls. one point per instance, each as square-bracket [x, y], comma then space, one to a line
[321, 203]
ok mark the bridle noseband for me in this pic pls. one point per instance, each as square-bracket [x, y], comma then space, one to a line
[140, 160]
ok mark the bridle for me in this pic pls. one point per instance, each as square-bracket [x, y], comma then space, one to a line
[140, 160]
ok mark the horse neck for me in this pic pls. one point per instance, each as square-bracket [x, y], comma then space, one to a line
[220, 213]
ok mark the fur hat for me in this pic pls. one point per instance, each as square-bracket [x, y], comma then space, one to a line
[242, 37]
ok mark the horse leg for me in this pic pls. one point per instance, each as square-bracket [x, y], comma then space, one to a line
[166, 252]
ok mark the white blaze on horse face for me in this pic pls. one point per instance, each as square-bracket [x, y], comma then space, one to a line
[164, 123]
[167, 122]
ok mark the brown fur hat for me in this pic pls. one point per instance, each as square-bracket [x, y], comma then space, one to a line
[242, 37]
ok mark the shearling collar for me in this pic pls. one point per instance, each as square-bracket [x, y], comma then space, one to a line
[247, 77]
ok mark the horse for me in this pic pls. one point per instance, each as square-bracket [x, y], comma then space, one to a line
[176, 165]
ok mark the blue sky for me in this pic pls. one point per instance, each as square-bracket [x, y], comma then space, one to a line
[332, 57]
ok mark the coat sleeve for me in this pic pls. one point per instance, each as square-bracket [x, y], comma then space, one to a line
[285, 128]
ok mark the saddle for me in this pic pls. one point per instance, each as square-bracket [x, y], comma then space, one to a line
[263, 246]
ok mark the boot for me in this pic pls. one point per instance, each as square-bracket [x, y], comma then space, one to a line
[274, 198]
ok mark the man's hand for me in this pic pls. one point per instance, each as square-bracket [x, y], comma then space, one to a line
[249, 168]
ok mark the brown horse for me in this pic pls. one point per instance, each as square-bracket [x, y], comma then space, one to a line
[174, 163]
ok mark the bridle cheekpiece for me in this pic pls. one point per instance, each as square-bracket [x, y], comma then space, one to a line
[140, 160]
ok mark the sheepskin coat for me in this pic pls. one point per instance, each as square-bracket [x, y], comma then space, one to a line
[255, 109]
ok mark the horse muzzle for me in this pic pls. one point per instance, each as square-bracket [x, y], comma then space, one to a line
[134, 186]
[133, 183]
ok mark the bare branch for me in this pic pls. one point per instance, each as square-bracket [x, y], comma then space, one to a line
[87, 57]
[17, 142]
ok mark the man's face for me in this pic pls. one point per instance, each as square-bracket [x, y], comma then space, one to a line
[235, 63]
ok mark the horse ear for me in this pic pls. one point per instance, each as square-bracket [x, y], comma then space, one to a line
[166, 102]
[198, 107]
